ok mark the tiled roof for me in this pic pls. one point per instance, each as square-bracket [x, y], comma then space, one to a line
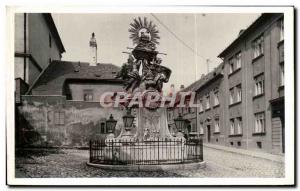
[52, 79]
[205, 79]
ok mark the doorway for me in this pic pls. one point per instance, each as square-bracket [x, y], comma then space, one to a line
[208, 133]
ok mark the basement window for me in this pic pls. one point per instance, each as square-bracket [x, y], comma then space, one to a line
[259, 145]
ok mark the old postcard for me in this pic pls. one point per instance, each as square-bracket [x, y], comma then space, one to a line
[138, 96]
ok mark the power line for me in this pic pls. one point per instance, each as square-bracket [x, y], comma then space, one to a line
[168, 29]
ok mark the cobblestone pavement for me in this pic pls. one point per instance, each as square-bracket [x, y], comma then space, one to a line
[72, 163]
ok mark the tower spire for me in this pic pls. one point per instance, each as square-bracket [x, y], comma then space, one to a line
[93, 50]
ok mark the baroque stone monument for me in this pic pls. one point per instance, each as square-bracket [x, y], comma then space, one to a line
[151, 119]
[148, 146]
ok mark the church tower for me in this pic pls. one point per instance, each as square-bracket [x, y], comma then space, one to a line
[93, 50]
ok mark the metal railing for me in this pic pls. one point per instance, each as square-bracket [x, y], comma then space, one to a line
[153, 152]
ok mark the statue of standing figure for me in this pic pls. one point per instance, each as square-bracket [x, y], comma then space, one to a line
[145, 35]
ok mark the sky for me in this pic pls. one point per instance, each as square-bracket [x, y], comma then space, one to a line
[187, 39]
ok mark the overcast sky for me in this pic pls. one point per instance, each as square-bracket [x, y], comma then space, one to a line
[207, 35]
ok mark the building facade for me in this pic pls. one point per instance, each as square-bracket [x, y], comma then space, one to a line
[37, 43]
[62, 107]
[254, 80]
[245, 107]
[58, 102]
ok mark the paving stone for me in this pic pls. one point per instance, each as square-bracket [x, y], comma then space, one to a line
[72, 163]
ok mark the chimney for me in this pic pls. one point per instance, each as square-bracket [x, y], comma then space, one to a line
[93, 50]
[181, 87]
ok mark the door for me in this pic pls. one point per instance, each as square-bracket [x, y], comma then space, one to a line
[208, 133]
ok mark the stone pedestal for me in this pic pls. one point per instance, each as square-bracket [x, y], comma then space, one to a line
[152, 124]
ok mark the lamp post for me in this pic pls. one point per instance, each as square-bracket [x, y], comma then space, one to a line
[111, 125]
[180, 125]
[128, 119]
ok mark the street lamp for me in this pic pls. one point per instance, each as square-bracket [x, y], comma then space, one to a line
[128, 119]
[180, 125]
[111, 124]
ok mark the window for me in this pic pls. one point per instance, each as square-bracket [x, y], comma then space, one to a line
[201, 106]
[259, 144]
[207, 101]
[231, 96]
[216, 98]
[201, 129]
[102, 128]
[50, 41]
[231, 65]
[258, 46]
[88, 95]
[259, 123]
[281, 29]
[231, 126]
[281, 74]
[59, 118]
[259, 85]
[238, 93]
[217, 125]
[238, 58]
[239, 126]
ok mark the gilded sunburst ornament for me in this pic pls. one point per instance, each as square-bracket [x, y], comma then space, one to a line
[142, 30]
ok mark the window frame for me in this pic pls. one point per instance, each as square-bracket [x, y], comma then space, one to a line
[258, 46]
[216, 98]
[231, 65]
[239, 93]
[259, 84]
[89, 92]
[239, 125]
[238, 58]
[201, 106]
[259, 123]
[232, 126]
[207, 105]
[102, 128]
[231, 96]
[217, 125]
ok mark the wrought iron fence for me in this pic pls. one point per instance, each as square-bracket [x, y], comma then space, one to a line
[152, 152]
